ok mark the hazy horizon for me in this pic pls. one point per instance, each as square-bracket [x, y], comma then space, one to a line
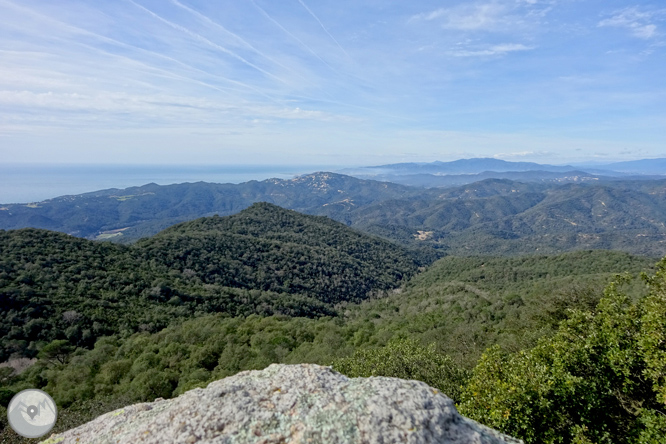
[26, 182]
[23, 183]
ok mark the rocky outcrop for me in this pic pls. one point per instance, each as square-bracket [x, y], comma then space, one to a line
[291, 404]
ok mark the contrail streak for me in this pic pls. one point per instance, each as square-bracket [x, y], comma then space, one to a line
[236, 36]
[286, 31]
[265, 14]
[206, 41]
[125, 45]
[323, 27]
[169, 74]
[171, 59]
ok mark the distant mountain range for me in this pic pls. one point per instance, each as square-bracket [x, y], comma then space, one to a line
[464, 171]
[642, 166]
[142, 211]
[493, 216]
[464, 166]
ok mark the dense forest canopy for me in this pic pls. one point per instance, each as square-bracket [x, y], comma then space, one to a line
[264, 260]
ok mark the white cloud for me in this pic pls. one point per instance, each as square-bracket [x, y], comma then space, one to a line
[466, 17]
[157, 110]
[638, 22]
[509, 47]
[522, 154]
[645, 32]
[498, 15]
[501, 49]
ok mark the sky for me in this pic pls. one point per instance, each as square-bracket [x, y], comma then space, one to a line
[344, 82]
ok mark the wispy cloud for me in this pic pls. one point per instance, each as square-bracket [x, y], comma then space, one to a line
[206, 41]
[235, 36]
[158, 109]
[323, 27]
[495, 50]
[523, 154]
[262, 74]
[68, 37]
[508, 16]
[290, 34]
[466, 17]
[69, 83]
[640, 23]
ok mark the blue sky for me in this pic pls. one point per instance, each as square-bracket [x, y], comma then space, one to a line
[360, 82]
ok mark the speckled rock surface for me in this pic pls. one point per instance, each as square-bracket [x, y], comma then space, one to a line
[290, 404]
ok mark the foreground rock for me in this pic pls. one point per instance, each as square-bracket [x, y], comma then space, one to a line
[291, 404]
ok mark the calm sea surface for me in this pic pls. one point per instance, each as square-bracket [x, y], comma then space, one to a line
[34, 183]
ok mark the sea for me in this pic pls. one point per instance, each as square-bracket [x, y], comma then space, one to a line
[26, 183]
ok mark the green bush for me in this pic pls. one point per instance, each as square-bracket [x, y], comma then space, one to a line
[406, 359]
[601, 378]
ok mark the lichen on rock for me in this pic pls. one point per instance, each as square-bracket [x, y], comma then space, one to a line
[304, 403]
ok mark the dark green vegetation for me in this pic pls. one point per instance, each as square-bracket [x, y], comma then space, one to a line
[600, 379]
[264, 260]
[465, 305]
[281, 309]
[506, 218]
[491, 217]
[268, 248]
[407, 359]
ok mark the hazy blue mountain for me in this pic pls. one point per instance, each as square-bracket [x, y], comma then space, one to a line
[493, 216]
[464, 171]
[500, 217]
[452, 180]
[642, 166]
[462, 166]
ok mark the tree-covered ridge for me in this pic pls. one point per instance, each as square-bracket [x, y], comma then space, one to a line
[498, 217]
[269, 248]
[264, 220]
[489, 217]
[145, 210]
[54, 286]
[524, 273]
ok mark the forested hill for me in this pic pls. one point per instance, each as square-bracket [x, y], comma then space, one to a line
[499, 217]
[269, 248]
[54, 286]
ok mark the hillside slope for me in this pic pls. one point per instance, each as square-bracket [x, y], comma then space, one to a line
[264, 260]
[266, 247]
[498, 217]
